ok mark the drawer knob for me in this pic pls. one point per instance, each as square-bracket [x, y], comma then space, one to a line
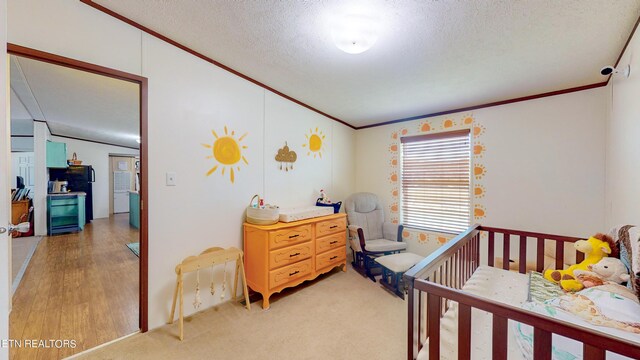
[333, 227]
[294, 236]
[296, 254]
[333, 242]
[333, 257]
[293, 273]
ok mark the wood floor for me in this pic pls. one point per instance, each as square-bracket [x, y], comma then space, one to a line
[81, 287]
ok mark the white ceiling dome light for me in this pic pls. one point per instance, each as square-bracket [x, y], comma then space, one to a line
[355, 33]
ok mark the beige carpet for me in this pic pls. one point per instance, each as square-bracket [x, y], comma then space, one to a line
[338, 316]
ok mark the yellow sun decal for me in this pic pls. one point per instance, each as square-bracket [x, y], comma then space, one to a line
[227, 152]
[315, 142]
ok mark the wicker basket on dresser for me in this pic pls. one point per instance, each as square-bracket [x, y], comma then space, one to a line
[286, 254]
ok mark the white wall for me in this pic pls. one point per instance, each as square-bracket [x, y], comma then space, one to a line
[544, 162]
[188, 98]
[41, 135]
[623, 142]
[96, 155]
[202, 98]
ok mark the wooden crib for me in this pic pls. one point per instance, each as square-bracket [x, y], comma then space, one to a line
[436, 282]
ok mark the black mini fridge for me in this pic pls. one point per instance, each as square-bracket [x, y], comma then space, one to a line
[79, 178]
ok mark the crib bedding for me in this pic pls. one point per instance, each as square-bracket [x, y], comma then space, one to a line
[591, 308]
[499, 285]
[512, 288]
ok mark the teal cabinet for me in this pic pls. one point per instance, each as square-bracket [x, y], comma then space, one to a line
[65, 213]
[134, 209]
[56, 154]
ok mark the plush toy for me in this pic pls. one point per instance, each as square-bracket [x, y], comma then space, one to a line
[607, 270]
[607, 275]
[596, 248]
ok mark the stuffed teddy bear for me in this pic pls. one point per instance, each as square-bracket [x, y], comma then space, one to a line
[596, 248]
[607, 270]
[607, 275]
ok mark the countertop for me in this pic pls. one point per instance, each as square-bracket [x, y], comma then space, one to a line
[80, 193]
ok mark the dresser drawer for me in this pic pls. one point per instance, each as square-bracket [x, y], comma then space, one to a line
[330, 227]
[289, 255]
[326, 243]
[330, 258]
[289, 273]
[289, 236]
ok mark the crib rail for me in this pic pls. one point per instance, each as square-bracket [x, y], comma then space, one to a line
[435, 282]
[594, 343]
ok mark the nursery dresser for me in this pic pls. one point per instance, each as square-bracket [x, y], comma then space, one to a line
[284, 255]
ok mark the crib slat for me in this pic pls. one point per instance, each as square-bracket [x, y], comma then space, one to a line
[506, 243]
[433, 314]
[477, 251]
[540, 255]
[498, 338]
[464, 332]
[523, 254]
[467, 261]
[463, 261]
[559, 255]
[457, 269]
[541, 344]
[410, 323]
[491, 248]
[472, 256]
[426, 325]
[591, 352]
[460, 267]
[454, 271]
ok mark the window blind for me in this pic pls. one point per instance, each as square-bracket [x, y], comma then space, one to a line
[436, 181]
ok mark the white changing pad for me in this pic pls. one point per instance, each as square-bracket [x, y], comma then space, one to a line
[301, 213]
[499, 285]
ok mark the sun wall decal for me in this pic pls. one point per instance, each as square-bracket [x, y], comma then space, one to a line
[423, 238]
[315, 142]
[227, 152]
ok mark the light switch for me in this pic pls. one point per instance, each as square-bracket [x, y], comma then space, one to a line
[171, 179]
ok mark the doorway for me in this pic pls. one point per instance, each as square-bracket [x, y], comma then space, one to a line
[68, 250]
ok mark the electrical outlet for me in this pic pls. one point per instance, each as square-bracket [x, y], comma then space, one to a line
[171, 179]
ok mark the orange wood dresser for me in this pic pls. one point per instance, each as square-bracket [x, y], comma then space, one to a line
[284, 255]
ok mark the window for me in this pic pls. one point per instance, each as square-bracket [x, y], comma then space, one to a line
[436, 182]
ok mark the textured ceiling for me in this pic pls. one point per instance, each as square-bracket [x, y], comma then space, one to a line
[431, 55]
[75, 103]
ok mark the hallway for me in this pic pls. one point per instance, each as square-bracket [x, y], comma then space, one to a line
[81, 286]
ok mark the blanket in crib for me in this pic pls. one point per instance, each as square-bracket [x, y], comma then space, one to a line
[591, 308]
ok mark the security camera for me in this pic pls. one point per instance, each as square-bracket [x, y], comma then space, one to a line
[607, 70]
[610, 70]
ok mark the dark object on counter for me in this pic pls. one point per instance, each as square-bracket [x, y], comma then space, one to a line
[336, 206]
[19, 182]
[79, 178]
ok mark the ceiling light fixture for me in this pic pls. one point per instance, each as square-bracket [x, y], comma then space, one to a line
[355, 33]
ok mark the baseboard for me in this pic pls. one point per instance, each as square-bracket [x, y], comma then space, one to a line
[74, 356]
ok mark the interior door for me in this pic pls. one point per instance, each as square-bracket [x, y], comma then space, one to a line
[121, 187]
[5, 188]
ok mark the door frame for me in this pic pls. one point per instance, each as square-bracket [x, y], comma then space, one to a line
[13, 49]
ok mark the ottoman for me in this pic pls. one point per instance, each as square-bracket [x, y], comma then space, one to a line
[393, 267]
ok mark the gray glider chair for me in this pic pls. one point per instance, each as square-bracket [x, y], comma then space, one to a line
[369, 234]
